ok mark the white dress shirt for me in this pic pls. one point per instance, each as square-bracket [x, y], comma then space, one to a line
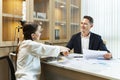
[85, 42]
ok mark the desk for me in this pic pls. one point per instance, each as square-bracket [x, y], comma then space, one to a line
[81, 69]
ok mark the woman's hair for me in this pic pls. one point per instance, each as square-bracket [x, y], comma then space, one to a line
[28, 29]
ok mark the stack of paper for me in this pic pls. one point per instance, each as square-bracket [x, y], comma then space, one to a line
[93, 54]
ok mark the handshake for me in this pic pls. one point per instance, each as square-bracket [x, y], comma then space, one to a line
[64, 51]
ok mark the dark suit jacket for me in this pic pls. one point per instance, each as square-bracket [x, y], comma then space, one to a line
[95, 43]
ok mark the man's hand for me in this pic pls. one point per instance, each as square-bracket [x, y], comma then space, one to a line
[107, 56]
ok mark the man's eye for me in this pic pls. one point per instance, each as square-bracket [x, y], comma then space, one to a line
[81, 23]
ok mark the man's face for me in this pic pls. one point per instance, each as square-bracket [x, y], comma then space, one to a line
[85, 26]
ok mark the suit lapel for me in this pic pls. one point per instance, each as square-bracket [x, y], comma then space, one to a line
[91, 41]
[79, 42]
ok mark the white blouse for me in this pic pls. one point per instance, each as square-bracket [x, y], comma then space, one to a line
[28, 59]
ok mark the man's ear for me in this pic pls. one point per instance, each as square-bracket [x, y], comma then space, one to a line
[91, 25]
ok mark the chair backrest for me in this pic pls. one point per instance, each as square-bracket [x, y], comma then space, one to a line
[7, 60]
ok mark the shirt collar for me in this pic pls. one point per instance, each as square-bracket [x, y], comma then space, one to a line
[86, 36]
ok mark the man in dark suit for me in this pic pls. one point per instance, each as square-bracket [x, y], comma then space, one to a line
[87, 40]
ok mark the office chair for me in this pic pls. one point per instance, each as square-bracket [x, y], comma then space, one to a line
[7, 60]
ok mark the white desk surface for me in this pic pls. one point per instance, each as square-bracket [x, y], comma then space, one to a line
[109, 69]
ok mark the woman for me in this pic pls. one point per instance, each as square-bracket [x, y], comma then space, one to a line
[30, 52]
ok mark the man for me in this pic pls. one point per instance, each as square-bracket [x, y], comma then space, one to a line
[87, 40]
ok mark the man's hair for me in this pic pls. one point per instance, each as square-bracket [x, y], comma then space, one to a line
[89, 18]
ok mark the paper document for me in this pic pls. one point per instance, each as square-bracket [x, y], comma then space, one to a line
[93, 54]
